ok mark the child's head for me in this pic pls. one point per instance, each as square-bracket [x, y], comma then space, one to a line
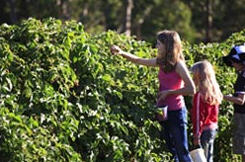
[169, 49]
[202, 70]
[236, 58]
[205, 80]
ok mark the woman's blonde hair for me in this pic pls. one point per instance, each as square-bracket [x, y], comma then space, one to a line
[172, 42]
[205, 80]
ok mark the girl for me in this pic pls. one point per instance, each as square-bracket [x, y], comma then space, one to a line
[205, 107]
[175, 82]
[236, 59]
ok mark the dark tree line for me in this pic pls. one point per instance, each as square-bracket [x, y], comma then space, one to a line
[206, 21]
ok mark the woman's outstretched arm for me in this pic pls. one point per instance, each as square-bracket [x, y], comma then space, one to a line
[135, 59]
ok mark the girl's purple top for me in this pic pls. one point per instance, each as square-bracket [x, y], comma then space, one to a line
[173, 81]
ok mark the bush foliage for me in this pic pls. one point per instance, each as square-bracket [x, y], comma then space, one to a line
[65, 97]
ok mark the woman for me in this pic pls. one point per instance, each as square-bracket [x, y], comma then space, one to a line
[175, 81]
[236, 59]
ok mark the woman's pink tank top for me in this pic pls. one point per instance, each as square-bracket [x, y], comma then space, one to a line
[167, 81]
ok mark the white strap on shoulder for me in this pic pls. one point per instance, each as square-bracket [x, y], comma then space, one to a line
[197, 113]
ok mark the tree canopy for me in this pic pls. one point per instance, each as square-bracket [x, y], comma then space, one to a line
[196, 21]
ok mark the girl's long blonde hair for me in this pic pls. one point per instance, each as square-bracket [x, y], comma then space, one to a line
[205, 80]
[172, 42]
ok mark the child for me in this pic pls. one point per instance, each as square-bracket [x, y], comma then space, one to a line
[205, 107]
[236, 59]
[175, 81]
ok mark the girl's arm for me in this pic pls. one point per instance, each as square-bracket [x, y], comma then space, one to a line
[135, 59]
[189, 87]
[194, 119]
[240, 99]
